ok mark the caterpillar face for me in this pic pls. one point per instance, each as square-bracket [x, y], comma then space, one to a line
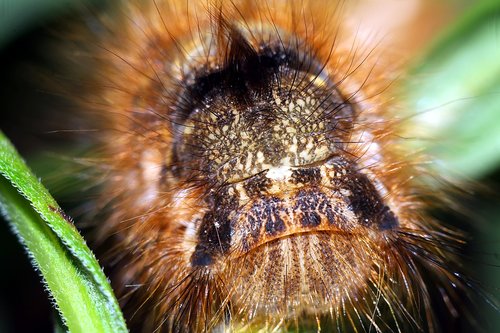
[255, 175]
[284, 200]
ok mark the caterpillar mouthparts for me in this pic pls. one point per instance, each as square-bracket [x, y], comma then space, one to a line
[256, 175]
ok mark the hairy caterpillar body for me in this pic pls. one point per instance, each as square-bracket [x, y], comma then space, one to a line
[254, 175]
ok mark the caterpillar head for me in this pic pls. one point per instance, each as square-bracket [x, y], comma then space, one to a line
[290, 219]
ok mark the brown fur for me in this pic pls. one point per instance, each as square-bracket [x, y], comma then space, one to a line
[364, 277]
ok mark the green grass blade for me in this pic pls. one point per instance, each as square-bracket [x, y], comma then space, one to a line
[75, 280]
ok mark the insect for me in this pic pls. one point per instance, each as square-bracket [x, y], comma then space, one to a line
[254, 173]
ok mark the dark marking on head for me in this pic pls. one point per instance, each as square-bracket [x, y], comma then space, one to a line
[315, 201]
[310, 219]
[388, 219]
[365, 201]
[325, 208]
[255, 225]
[274, 223]
[252, 224]
[306, 176]
[257, 185]
[304, 200]
[214, 234]
[202, 257]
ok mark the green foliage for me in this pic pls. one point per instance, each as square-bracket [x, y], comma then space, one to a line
[76, 283]
[456, 89]
[18, 15]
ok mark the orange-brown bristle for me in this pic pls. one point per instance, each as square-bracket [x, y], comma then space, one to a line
[255, 173]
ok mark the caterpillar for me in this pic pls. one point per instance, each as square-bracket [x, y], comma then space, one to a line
[254, 175]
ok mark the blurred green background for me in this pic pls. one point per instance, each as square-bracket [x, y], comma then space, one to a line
[454, 86]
